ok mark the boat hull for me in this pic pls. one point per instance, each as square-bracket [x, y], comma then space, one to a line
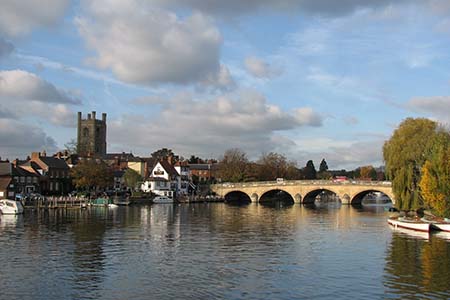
[11, 207]
[442, 226]
[418, 226]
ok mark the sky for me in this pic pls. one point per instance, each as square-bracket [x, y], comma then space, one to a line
[309, 79]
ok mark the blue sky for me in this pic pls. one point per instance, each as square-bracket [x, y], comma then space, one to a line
[310, 79]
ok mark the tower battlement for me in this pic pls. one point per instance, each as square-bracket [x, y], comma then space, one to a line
[91, 138]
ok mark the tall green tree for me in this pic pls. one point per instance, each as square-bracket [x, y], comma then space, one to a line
[404, 155]
[92, 175]
[234, 166]
[131, 178]
[435, 180]
[309, 171]
[323, 166]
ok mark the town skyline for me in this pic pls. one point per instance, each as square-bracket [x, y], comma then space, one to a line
[307, 79]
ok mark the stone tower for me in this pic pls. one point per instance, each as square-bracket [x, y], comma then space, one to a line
[91, 139]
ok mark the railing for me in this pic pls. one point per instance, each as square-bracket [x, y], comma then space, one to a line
[303, 182]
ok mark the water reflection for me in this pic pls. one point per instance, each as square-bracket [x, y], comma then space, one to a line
[219, 251]
[418, 264]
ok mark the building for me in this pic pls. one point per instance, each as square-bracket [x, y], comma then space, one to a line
[7, 188]
[54, 172]
[91, 137]
[163, 180]
[203, 173]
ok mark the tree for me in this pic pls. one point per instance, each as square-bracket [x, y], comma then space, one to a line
[273, 166]
[309, 171]
[163, 153]
[234, 166]
[368, 172]
[92, 175]
[323, 166]
[435, 180]
[132, 178]
[71, 146]
[404, 155]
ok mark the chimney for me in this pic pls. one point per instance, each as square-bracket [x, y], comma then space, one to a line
[44, 154]
[170, 159]
[58, 155]
[104, 117]
[93, 115]
[35, 155]
[79, 116]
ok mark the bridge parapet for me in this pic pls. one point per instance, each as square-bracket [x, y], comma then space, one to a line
[348, 191]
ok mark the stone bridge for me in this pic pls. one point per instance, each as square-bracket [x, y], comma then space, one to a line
[305, 191]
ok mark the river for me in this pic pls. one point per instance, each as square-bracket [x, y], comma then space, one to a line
[219, 251]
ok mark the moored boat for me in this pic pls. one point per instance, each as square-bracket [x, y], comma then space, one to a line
[10, 207]
[162, 199]
[438, 223]
[412, 224]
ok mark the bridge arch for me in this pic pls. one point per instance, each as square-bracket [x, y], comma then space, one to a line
[237, 196]
[277, 195]
[359, 197]
[310, 197]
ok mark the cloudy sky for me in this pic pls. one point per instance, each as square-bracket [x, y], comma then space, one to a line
[310, 79]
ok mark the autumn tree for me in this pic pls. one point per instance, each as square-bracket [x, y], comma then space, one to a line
[368, 172]
[131, 178]
[435, 180]
[92, 175]
[234, 166]
[273, 165]
[404, 155]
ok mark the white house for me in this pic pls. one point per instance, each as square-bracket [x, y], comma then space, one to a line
[163, 180]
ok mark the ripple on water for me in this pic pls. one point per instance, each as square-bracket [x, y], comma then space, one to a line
[216, 251]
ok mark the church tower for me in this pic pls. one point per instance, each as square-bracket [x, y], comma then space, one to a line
[91, 139]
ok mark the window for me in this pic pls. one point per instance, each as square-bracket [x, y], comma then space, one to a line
[35, 179]
[28, 179]
[22, 179]
[56, 186]
[51, 186]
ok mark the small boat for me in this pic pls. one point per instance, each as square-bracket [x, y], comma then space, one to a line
[412, 224]
[10, 207]
[162, 199]
[112, 205]
[438, 224]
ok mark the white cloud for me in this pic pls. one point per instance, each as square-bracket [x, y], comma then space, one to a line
[18, 17]
[144, 45]
[307, 116]
[244, 120]
[437, 106]
[260, 68]
[339, 154]
[20, 139]
[26, 94]
[24, 86]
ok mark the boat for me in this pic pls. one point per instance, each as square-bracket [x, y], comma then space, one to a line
[438, 223]
[162, 199]
[412, 224]
[10, 207]
[112, 205]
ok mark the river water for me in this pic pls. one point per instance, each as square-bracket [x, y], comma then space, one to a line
[219, 251]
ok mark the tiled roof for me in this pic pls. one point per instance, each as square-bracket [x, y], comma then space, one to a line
[5, 168]
[26, 171]
[169, 168]
[200, 166]
[4, 183]
[53, 162]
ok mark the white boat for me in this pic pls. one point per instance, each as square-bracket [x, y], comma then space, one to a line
[112, 205]
[438, 223]
[10, 207]
[162, 199]
[409, 224]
